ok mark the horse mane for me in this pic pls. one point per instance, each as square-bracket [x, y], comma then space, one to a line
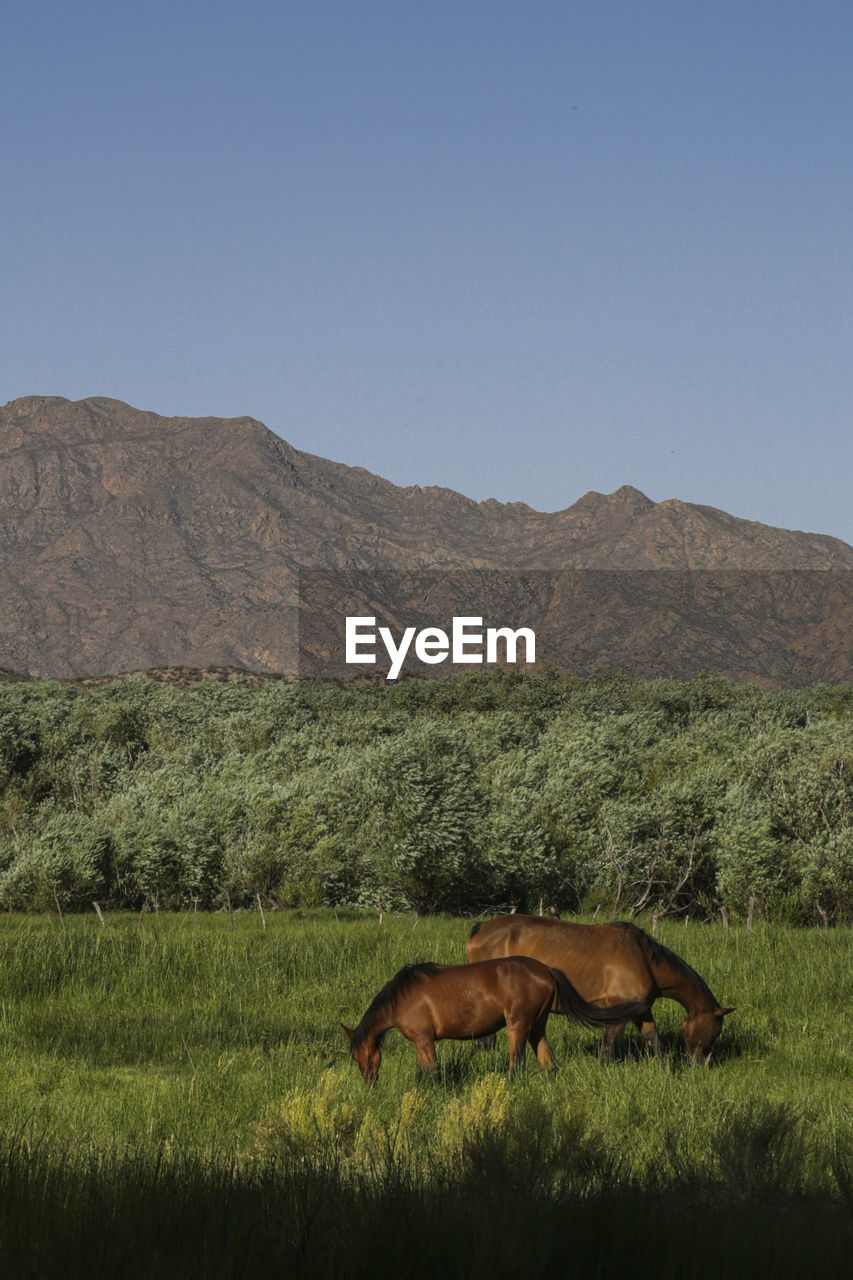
[660, 952]
[388, 996]
[476, 929]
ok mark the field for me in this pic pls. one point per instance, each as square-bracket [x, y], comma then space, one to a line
[179, 1100]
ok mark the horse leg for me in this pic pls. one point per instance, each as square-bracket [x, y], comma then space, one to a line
[540, 1045]
[610, 1035]
[649, 1032]
[518, 1033]
[424, 1052]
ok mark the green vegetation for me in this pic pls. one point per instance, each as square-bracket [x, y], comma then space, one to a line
[179, 1101]
[464, 794]
[178, 1095]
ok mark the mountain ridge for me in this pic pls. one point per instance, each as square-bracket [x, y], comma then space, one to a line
[132, 540]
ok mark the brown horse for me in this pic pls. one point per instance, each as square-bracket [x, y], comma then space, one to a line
[610, 964]
[429, 1002]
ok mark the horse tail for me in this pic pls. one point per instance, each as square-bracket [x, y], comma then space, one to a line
[571, 1003]
[476, 929]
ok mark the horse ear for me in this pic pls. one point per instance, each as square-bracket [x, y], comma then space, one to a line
[348, 1031]
[731, 1010]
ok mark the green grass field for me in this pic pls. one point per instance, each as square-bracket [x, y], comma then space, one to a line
[178, 1100]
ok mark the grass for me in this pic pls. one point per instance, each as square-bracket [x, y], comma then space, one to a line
[179, 1100]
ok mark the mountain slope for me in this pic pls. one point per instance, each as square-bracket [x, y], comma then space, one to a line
[128, 540]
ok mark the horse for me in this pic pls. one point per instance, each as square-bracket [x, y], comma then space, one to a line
[610, 964]
[429, 1002]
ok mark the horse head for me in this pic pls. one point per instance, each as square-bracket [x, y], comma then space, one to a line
[367, 1055]
[700, 1030]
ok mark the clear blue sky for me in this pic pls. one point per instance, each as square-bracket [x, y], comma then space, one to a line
[519, 249]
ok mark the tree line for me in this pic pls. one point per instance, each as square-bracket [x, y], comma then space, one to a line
[465, 794]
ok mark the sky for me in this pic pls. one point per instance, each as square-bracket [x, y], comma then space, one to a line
[521, 250]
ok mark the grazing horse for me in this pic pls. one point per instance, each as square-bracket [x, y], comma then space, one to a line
[610, 964]
[429, 1002]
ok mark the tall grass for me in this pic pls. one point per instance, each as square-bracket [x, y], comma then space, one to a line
[179, 1100]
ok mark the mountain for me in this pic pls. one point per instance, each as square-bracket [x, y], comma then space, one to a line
[130, 541]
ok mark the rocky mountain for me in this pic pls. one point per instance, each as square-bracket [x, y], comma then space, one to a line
[130, 541]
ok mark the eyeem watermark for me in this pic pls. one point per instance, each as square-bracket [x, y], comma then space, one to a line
[467, 642]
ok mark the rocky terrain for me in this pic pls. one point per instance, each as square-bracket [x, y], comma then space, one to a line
[130, 541]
